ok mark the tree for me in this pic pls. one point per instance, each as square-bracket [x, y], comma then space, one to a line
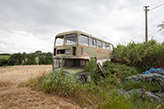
[15, 59]
[3, 62]
[30, 59]
[38, 53]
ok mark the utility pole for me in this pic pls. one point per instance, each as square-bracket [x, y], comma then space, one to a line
[146, 28]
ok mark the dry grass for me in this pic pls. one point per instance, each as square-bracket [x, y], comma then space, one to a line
[27, 98]
[12, 96]
[6, 84]
[18, 74]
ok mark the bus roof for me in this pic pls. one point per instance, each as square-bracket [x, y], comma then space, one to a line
[80, 32]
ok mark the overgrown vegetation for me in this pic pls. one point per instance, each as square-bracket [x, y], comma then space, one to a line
[26, 59]
[101, 92]
[141, 55]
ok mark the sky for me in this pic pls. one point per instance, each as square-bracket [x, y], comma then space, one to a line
[31, 25]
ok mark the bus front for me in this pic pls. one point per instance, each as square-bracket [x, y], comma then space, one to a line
[65, 52]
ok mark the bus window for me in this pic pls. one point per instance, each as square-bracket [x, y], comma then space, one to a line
[107, 46]
[92, 42]
[99, 44]
[111, 47]
[104, 45]
[59, 40]
[70, 39]
[83, 40]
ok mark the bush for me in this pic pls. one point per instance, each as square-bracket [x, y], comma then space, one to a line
[3, 62]
[142, 55]
[120, 70]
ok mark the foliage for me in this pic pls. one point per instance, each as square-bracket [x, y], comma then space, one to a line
[90, 67]
[119, 70]
[142, 55]
[3, 62]
[30, 59]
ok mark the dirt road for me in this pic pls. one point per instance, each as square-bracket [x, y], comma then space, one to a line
[12, 96]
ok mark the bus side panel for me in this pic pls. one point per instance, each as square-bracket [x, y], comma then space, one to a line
[103, 55]
[93, 51]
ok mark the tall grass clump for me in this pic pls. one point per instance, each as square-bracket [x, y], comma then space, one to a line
[60, 84]
[142, 55]
[110, 99]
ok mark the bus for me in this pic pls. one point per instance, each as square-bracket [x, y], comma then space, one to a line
[74, 49]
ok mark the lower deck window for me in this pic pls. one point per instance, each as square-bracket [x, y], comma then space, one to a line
[82, 62]
[60, 51]
[56, 63]
[74, 62]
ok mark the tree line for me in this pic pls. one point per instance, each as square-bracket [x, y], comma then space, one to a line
[36, 58]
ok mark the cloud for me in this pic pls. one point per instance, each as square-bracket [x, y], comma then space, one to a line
[28, 25]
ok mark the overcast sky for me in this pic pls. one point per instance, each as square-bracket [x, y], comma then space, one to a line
[30, 25]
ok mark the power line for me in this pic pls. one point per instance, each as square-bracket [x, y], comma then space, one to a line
[129, 35]
[157, 6]
[132, 26]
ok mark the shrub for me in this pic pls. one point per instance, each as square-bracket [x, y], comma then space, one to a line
[3, 62]
[120, 70]
[142, 55]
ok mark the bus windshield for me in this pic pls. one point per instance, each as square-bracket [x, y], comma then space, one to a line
[70, 39]
[59, 40]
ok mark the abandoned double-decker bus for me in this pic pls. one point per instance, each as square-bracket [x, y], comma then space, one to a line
[74, 49]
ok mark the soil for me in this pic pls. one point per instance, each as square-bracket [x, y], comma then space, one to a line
[12, 96]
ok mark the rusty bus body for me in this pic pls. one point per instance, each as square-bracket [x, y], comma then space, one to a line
[74, 49]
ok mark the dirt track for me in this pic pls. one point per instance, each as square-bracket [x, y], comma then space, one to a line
[12, 96]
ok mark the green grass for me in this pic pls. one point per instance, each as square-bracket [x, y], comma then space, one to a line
[4, 57]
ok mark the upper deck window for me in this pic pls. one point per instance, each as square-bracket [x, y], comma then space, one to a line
[59, 40]
[108, 46]
[70, 39]
[111, 47]
[104, 45]
[83, 40]
[99, 44]
[92, 42]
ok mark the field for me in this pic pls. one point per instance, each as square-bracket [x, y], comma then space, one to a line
[4, 56]
[14, 96]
